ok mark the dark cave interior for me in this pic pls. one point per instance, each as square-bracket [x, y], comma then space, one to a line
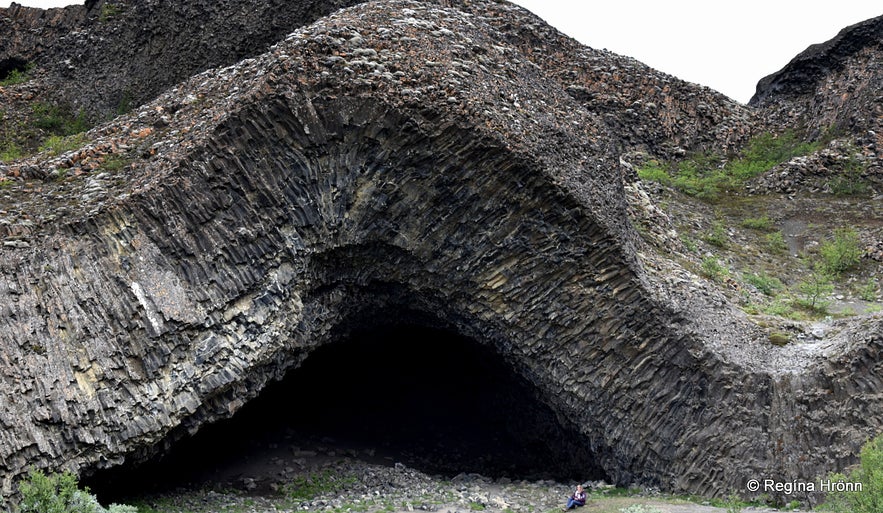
[8, 66]
[425, 397]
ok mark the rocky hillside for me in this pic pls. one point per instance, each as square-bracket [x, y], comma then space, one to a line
[831, 86]
[128, 52]
[107, 56]
[458, 165]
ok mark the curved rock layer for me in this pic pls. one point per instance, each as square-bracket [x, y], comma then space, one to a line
[128, 53]
[271, 207]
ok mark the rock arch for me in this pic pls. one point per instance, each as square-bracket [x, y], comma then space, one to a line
[299, 199]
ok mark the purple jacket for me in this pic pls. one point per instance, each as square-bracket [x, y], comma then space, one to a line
[579, 498]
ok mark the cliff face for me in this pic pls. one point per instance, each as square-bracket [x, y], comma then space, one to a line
[833, 85]
[398, 156]
[109, 55]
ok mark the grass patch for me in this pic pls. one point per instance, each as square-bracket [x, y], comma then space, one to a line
[712, 269]
[654, 172]
[779, 308]
[640, 508]
[758, 223]
[58, 144]
[775, 242]
[58, 120]
[10, 151]
[115, 162]
[717, 236]
[779, 338]
[766, 284]
[868, 291]
[707, 175]
[312, 485]
[17, 76]
[109, 11]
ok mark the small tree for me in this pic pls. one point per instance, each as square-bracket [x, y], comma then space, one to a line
[870, 474]
[841, 254]
[816, 287]
[58, 493]
[54, 493]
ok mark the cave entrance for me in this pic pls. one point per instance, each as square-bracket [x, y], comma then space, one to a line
[11, 66]
[425, 397]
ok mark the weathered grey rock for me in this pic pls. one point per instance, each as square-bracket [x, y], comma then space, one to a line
[831, 86]
[108, 55]
[287, 199]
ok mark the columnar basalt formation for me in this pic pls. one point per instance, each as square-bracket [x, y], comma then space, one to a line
[831, 86]
[394, 156]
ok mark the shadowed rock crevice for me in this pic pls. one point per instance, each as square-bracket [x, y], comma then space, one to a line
[422, 396]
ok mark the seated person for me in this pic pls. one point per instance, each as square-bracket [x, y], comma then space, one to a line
[577, 499]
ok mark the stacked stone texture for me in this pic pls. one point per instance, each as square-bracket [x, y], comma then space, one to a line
[397, 156]
[831, 87]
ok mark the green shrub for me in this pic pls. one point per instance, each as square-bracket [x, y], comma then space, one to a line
[868, 292]
[870, 474]
[16, 76]
[717, 236]
[59, 493]
[764, 283]
[707, 175]
[58, 144]
[58, 120]
[766, 150]
[690, 244]
[776, 242]
[711, 268]
[733, 504]
[847, 185]
[816, 287]
[758, 223]
[125, 104]
[115, 162]
[10, 151]
[48, 494]
[653, 172]
[841, 254]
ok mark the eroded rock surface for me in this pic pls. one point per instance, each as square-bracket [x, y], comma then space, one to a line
[831, 86]
[395, 156]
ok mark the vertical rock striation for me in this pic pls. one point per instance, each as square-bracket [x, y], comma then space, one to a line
[396, 155]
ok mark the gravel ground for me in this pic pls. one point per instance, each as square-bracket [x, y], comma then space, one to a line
[338, 481]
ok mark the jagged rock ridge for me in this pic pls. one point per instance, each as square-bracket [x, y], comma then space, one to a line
[107, 55]
[398, 154]
[831, 86]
